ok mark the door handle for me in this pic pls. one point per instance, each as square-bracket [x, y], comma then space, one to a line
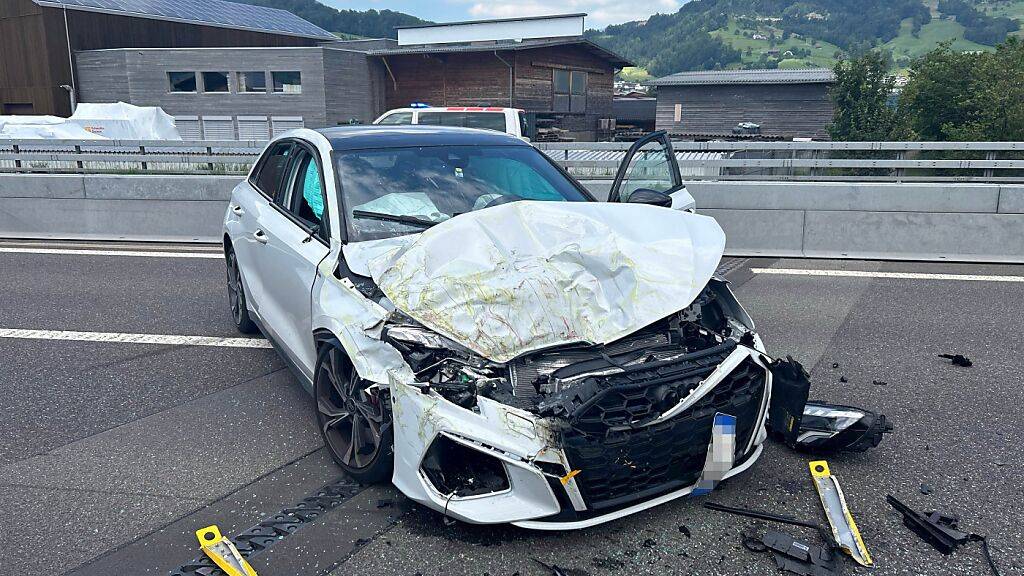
[237, 210]
[260, 236]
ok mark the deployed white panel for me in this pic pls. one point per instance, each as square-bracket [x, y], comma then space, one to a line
[486, 30]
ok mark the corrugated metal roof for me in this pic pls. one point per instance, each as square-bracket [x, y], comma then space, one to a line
[612, 57]
[219, 13]
[798, 76]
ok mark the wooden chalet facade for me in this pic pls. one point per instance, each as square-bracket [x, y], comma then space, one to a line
[785, 103]
[567, 83]
[37, 60]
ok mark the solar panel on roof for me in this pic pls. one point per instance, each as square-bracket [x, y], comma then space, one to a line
[209, 12]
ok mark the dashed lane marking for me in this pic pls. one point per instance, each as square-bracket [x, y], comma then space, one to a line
[136, 253]
[899, 275]
[118, 337]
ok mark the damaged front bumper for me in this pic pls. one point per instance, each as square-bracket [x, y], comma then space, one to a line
[631, 445]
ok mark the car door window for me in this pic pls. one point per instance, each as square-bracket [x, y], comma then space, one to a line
[649, 164]
[306, 198]
[397, 118]
[272, 169]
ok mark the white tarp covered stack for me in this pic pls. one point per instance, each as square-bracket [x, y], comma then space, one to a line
[125, 122]
[118, 121]
[42, 127]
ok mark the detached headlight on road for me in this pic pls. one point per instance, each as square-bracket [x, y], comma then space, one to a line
[834, 428]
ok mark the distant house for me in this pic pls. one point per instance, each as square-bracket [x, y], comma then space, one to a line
[542, 65]
[785, 103]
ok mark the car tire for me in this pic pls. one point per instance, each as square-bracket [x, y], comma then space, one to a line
[355, 423]
[236, 297]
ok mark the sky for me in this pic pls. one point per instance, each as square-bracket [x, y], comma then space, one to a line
[600, 12]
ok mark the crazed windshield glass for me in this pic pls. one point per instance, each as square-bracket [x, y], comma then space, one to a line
[394, 191]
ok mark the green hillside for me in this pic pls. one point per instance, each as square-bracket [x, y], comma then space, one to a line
[712, 34]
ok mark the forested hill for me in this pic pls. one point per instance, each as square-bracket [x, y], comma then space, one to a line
[365, 24]
[707, 34]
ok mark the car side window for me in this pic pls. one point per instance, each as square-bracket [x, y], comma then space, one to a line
[397, 118]
[272, 169]
[307, 199]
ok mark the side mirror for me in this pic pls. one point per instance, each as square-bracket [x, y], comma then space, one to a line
[652, 197]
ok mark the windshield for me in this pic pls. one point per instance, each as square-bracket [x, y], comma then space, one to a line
[394, 191]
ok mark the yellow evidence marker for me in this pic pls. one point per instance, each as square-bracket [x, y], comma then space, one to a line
[844, 529]
[223, 552]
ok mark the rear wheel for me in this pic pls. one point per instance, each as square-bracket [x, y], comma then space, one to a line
[354, 418]
[236, 297]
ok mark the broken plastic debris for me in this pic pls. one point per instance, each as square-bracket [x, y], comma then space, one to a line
[844, 529]
[958, 360]
[941, 530]
[565, 479]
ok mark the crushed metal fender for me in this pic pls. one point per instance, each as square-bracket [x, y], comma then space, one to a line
[844, 529]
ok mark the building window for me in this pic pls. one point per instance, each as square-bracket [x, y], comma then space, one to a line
[287, 82]
[182, 81]
[215, 82]
[252, 82]
[570, 91]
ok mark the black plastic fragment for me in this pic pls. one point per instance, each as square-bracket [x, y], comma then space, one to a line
[798, 557]
[790, 386]
[938, 529]
[958, 360]
[553, 569]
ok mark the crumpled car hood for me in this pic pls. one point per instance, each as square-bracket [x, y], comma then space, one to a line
[528, 275]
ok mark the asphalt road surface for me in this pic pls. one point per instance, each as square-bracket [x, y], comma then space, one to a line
[118, 445]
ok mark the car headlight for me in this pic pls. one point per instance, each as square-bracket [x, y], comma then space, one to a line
[456, 372]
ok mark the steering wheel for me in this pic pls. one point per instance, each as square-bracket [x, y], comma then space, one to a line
[503, 199]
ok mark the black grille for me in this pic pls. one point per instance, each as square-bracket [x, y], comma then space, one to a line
[622, 460]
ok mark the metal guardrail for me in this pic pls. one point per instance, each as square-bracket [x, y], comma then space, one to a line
[791, 161]
[129, 156]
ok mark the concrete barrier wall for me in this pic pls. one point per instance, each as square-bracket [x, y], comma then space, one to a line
[919, 221]
[102, 207]
[914, 221]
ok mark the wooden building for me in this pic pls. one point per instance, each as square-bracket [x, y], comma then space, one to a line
[38, 39]
[549, 70]
[785, 103]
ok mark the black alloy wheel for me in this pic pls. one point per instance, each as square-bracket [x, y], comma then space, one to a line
[236, 297]
[354, 420]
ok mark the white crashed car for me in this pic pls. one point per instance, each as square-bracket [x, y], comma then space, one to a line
[478, 329]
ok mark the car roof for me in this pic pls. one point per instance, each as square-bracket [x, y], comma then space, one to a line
[400, 136]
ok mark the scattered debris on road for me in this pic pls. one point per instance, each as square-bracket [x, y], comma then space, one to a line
[552, 568]
[926, 489]
[941, 530]
[223, 552]
[958, 360]
[844, 529]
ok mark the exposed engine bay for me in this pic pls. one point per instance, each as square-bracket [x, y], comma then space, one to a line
[550, 382]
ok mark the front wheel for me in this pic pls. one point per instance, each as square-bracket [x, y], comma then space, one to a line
[236, 297]
[354, 418]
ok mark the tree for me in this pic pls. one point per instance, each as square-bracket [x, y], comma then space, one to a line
[972, 96]
[863, 108]
[936, 94]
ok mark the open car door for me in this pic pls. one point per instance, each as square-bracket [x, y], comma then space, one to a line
[650, 164]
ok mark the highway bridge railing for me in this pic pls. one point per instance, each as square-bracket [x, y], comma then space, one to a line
[762, 161]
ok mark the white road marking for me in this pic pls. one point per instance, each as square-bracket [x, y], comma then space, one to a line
[165, 339]
[899, 275]
[137, 253]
